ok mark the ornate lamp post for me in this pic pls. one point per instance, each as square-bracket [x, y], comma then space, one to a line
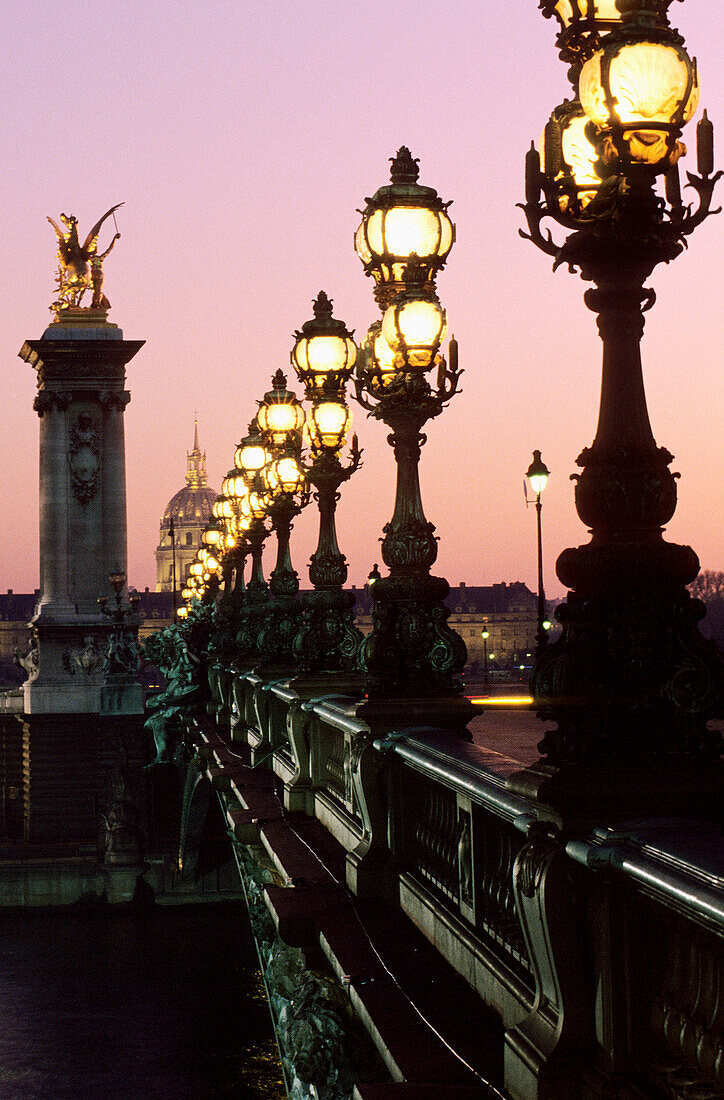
[251, 458]
[403, 241]
[323, 357]
[281, 419]
[630, 678]
[538, 474]
[485, 634]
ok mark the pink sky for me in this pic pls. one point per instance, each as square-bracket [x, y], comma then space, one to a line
[242, 138]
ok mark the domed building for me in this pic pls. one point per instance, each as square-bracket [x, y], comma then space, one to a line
[189, 511]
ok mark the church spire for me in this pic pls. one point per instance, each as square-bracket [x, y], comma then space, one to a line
[196, 462]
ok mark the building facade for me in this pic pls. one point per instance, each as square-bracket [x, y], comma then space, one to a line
[508, 612]
[189, 511]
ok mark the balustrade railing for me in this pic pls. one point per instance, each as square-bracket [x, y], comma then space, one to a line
[601, 953]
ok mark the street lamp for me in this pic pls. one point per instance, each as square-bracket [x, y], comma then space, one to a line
[281, 419]
[250, 459]
[403, 219]
[485, 634]
[630, 675]
[403, 242]
[324, 356]
[538, 474]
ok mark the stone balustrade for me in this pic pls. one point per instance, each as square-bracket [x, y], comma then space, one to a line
[601, 952]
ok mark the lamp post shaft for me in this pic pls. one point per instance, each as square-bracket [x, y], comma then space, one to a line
[409, 545]
[541, 637]
[172, 536]
[327, 637]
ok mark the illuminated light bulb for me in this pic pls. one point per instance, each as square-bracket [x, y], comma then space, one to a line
[250, 457]
[650, 83]
[328, 424]
[414, 327]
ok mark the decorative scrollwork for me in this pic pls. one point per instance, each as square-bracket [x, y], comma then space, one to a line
[84, 456]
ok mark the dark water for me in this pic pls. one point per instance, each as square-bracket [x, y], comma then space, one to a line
[118, 1007]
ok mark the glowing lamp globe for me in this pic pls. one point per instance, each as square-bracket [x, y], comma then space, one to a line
[324, 351]
[642, 93]
[414, 328]
[250, 456]
[280, 415]
[212, 534]
[285, 476]
[569, 157]
[537, 473]
[400, 219]
[328, 424]
[258, 505]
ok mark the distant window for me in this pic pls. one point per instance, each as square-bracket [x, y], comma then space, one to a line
[189, 539]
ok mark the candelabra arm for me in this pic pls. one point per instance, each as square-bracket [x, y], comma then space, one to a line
[704, 187]
[360, 396]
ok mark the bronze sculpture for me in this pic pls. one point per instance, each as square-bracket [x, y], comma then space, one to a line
[80, 266]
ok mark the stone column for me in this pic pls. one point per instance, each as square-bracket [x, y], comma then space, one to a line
[80, 362]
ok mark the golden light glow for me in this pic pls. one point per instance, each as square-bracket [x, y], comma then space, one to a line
[280, 419]
[250, 457]
[258, 504]
[211, 536]
[650, 82]
[328, 424]
[579, 158]
[415, 328]
[402, 230]
[566, 10]
[323, 355]
[502, 700]
[285, 476]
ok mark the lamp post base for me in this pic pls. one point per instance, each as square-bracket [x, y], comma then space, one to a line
[412, 651]
[327, 637]
[631, 678]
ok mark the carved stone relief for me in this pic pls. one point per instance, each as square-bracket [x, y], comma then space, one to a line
[84, 457]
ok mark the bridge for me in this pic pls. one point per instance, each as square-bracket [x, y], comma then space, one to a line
[483, 940]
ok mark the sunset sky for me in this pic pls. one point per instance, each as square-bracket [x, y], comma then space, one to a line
[242, 138]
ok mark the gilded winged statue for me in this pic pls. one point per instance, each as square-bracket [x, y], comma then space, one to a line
[80, 266]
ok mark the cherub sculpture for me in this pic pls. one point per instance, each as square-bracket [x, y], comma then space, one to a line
[80, 266]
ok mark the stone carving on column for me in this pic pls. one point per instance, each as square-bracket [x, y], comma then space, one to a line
[87, 658]
[30, 659]
[115, 399]
[47, 400]
[84, 458]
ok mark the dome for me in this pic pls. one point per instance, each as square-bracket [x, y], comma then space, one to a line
[190, 509]
[192, 504]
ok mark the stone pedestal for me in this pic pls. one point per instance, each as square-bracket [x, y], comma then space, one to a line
[80, 363]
